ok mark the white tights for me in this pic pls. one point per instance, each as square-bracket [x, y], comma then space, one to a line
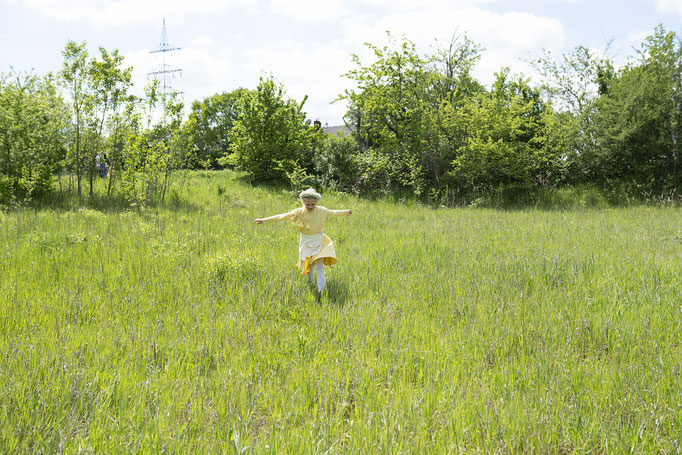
[319, 272]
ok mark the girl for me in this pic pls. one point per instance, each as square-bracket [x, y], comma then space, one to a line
[315, 248]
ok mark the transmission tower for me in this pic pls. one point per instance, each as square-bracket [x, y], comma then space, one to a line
[165, 72]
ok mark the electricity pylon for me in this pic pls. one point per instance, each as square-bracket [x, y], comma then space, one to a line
[165, 72]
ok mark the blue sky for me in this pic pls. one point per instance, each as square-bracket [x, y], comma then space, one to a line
[306, 44]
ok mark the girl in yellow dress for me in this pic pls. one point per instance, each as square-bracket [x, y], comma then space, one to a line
[315, 249]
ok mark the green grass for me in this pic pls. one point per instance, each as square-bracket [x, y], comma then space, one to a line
[188, 329]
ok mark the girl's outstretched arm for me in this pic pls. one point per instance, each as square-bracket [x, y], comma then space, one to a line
[280, 217]
[344, 212]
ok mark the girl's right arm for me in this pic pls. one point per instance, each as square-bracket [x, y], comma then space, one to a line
[280, 217]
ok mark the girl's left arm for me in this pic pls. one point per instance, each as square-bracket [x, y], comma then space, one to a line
[345, 212]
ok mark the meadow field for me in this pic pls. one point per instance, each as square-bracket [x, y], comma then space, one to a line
[186, 329]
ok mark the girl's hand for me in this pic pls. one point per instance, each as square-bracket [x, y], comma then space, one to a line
[350, 212]
[257, 221]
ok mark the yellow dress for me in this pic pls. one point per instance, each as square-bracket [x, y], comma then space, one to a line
[314, 244]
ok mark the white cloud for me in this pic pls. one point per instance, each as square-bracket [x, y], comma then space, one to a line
[304, 70]
[508, 38]
[412, 5]
[316, 70]
[202, 41]
[310, 11]
[205, 71]
[306, 59]
[637, 37]
[674, 6]
[128, 13]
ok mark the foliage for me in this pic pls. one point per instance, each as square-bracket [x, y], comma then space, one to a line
[387, 107]
[110, 83]
[509, 140]
[73, 77]
[150, 155]
[421, 126]
[32, 136]
[425, 124]
[208, 128]
[622, 125]
[98, 93]
[269, 129]
[336, 162]
[640, 118]
[450, 68]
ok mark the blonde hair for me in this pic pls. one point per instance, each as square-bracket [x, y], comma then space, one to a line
[310, 193]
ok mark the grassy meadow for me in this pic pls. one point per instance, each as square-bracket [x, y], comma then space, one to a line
[187, 329]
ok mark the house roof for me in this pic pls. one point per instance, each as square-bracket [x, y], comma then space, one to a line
[334, 129]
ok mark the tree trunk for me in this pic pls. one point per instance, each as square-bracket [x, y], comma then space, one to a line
[111, 179]
[78, 154]
[91, 175]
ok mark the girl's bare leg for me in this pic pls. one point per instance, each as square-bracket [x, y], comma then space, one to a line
[311, 276]
[319, 272]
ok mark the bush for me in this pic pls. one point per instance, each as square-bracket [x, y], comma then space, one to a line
[336, 164]
[232, 267]
[32, 125]
[268, 129]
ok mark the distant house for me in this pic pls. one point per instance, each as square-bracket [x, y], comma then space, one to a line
[334, 129]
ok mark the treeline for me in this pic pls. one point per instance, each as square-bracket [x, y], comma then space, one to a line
[82, 124]
[420, 125]
[425, 125]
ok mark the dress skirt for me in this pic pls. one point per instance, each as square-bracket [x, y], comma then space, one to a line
[313, 247]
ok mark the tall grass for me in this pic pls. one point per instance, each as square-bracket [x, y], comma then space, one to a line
[188, 329]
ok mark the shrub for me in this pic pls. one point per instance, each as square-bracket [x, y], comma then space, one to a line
[232, 267]
[336, 163]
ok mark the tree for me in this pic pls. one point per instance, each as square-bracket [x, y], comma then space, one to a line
[33, 124]
[74, 78]
[509, 138]
[387, 108]
[452, 89]
[270, 134]
[336, 164]
[208, 127]
[404, 112]
[451, 68]
[640, 118]
[110, 83]
[574, 86]
[152, 150]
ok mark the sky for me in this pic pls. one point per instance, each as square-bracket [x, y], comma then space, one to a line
[307, 45]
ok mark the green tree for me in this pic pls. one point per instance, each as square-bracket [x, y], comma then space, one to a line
[451, 66]
[74, 77]
[387, 107]
[640, 118]
[404, 112]
[269, 135]
[574, 85]
[509, 138]
[208, 128]
[152, 149]
[33, 124]
[336, 163]
[110, 83]
[452, 89]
